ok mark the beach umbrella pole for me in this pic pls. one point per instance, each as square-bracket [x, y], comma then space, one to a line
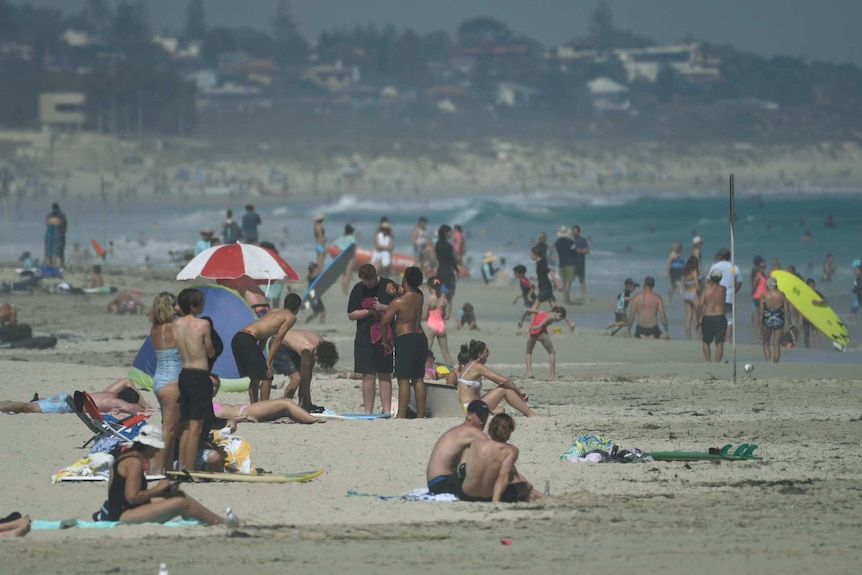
[733, 273]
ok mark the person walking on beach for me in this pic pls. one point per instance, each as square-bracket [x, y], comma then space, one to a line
[411, 345]
[488, 472]
[731, 279]
[691, 292]
[248, 344]
[545, 278]
[758, 288]
[447, 262]
[673, 269]
[346, 240]
[581, 249]
[808, 329]
[55, 236]
[711, 320]
[856, 289]
[645, 310]
[774, 311]
[250, 222]
[565, 247]
[421, 244]
[696, 252]
[436, 313]
[319, 239]
[369, 298]
[193, 339]
[621, 311]
[384, 243]
[442, 470]
[539, 333]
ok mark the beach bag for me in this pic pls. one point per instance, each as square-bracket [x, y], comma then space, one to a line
[16, 332]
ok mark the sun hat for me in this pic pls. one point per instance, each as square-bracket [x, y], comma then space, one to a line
[772, 283]
[564, 231]
[150, 435]
[489, 257]
[319, 216]
[715, 274]
[696, 240]
[207, 231]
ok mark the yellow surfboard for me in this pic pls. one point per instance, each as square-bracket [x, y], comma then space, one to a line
[249, 477]
[801, 297]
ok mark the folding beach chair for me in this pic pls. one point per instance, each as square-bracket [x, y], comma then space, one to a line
[104, 425]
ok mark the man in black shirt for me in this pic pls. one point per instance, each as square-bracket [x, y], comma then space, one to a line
[368, 301]
[447, 264]
[566, 257]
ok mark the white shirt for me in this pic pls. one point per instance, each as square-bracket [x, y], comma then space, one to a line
[726, 267]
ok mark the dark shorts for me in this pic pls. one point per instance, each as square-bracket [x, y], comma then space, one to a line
[713, 327]
[545, 295]
[369, 358]
[250, 362]
[675, 275]
[286, 362]
[647, 331]
[411, 353]
[196, 395]
[444, 484]
[581, 271]
[620, 317]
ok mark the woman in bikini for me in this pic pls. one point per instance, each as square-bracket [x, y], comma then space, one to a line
[774, 311]
[475, 372]
[166, 377]
[129, 500]
[260, 411]
[436, 313]
[691, 292]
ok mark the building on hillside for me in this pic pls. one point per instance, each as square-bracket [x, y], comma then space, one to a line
[608, 96]
[685, 59]
[514, 95]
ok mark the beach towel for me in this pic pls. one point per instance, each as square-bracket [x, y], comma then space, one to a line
[418, 494]
[47, 524]
[95, 464]
[237, 452]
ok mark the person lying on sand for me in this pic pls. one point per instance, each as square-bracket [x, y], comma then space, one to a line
[487, 471]
[15, 525]
[120, 397]
[260, 411]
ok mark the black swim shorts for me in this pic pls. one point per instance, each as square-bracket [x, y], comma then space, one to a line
[411, 353]
[286, 362]
[196, 395]
[250, 361]
[369, 358]
[713, 328]
[647, 331]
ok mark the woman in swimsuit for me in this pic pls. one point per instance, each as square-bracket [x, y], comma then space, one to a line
[691, 292]
[266, 410]
[436, 313]
[166, 377]
[129, 500]
[673, 269]
[383, 245]
[774, 310]
[475, 372]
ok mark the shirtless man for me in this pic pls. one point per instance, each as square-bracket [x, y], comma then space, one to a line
[248, 343]
[711, 321]
[195, 344]
[410, 341]
[646, 307]
[441, 473]
[8, 314]
[119, 397]
[300, 350]
[487, 471]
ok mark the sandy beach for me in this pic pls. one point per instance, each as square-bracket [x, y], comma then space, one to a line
[796, 510]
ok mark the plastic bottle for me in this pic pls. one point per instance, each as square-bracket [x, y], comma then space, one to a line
[231, 521]
[163, 569]
[547, 487]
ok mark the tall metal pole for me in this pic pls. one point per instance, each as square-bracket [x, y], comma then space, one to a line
[733, 273]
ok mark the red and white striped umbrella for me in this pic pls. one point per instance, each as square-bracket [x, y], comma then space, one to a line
[231, 261]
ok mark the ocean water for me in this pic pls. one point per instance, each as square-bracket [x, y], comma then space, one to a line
[630, 234]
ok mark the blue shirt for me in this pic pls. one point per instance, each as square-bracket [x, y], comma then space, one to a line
[250, 221]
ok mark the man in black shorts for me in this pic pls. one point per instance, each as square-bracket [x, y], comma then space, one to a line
[711, 318]
[194, 341]
[579, 256]
[441, 473]
[411, 345]
[369, 300]
[645, 309]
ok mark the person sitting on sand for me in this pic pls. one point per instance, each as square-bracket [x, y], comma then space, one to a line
[539, 333]
[300, 350]
[125, 303]
[475, 372]
[96, 280]
[441, 473]
[120, 397]
[466, 317]
[15, 525]
[487, 470]
[129, 500]
[646, 307]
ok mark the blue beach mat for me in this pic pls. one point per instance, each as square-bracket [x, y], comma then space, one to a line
[82, 524]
